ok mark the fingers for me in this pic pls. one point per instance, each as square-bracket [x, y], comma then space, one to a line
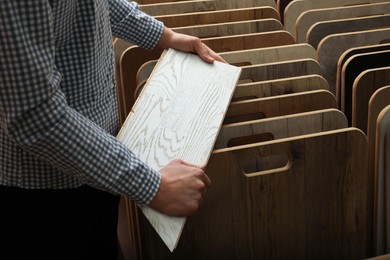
[204, 52]
[182, 188]
[203, 176]
[215, 56]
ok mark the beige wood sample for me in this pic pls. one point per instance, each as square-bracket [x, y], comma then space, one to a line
[277, 70]
[280, 127]
[198, 6]
[181, 108]
[331, 48]
[383, 125]
[260, 108]
[364, 86]
[219, 16]
[313, 206]
[278, 87]
[297, 7]
[322, 29]
[135, 56]
[310, 17]
[378, 101]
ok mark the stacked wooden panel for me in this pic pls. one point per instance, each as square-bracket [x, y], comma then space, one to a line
[351, 38]
[294, 175]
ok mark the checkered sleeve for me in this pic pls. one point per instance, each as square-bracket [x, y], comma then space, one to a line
[35, 115]
[133, 25]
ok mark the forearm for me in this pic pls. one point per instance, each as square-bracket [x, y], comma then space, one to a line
[77, 147]
[133, 25]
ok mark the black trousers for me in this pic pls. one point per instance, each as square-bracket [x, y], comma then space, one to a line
[67, 224]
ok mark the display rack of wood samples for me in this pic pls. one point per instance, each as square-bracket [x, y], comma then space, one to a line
[299, 166]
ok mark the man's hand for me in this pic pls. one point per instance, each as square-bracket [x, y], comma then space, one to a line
[181, 190]
[187, 43]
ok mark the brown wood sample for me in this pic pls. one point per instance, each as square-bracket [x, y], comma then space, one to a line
[333, 46]
[322, 29]
[197, 6]
[351, 70]
[231, 28]
[278, 87]
[310, 17]
[313, 206]
[353, 51]
[386, 170]
[364, 86]
[260, 108]
[270, 54]
[378, 101]
[179, 7]
[277, 70]
[219, 16]
[297, 7]
[249, 41]
[383, 126]
[280, 127]
[178, 115]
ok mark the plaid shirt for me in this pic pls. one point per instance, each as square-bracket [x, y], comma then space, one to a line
[58, 110]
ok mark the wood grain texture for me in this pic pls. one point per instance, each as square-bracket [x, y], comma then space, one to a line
[378, 101]
[279, 105]
[197, 6]
[333, 46]
[180, 109]
[280, 127]
[310, 17]
[231, 28]
[270, 54]
[313, 208]
[351, 70]
[322, 29]
[219, 16]
[386, 170]
[353, 51]
[364, 86]
[179, 7]
[277, 70]
[249, 41]
[383, 125]
[297, 7]
[278, 87]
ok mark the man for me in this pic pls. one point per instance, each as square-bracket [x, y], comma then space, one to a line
[58, 118]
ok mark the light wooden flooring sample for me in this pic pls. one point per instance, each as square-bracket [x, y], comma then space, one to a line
[178, 115]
